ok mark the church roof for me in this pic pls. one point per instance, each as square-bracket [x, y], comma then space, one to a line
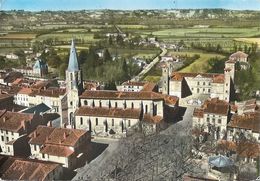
[73, 62]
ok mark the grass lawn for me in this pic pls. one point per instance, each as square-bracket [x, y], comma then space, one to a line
[199, 65]
[154, 79]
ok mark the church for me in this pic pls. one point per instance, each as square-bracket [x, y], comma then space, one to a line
[112, 113]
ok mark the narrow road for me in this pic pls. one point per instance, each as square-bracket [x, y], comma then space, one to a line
[148, 67]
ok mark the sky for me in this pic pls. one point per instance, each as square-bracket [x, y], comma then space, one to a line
[36, 5]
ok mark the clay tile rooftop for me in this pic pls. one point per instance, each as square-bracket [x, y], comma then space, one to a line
[12, 168]
[246, 149]
[108, 112]
[215, 106]
[25, 90]
[152, 119]
[249, 121]
[149, 86]
[118, 95]
[198, 112]
[238, 54]
[13, 121]
[55, 136]
[50, 92]
[178, 76]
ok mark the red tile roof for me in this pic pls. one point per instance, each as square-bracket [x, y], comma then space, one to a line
[249, 121]
[216, 106]
[217, 78]
[118, 95]
[238, 54]
[5, 96]
[57, 150]
[25, 90]
[152, 119]
[51, 92]
[246, 149]
[56, 136]
[198, 112]
[108, 112]
[149, 86]
[25, 169]
[14, 121]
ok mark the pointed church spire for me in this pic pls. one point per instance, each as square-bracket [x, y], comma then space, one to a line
[73, 62]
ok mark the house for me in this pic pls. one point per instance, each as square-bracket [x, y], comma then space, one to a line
[60, 145]
[14, 168]
[14, 127]
[40, 68]
[136, 86]
[207, 84]
[240, 57]
[248, 151]
[212, 117]
[244, 126]
[12, 56]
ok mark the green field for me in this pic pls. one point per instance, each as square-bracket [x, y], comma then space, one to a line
[199, 65]
[88, 37]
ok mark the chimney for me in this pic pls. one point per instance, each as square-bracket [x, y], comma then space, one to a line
[4, 119]
[52, 91]
[34, 134]
[12, 109]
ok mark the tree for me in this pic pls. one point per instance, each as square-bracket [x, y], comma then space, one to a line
[119, 40]
[110, 40]
[83, 56]
[107, 57]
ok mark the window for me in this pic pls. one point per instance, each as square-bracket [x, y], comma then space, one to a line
[132, 105]
[85, 102]
[35, 148]
[204, 83]
[115, 104]
[81, 121]
[100, 104]
[71, 103]
[146, 109]
[208, 90]
[96, 121]
[198, 83]
[219, 121]
[198, 90]
[8, 148]
[43, 156]
[12, 133]
[7, 139]
[129, 123]
[113, 122]
[2, 138]
[208, 120]
[213, 120]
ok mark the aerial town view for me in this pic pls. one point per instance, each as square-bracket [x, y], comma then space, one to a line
[130, 90]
